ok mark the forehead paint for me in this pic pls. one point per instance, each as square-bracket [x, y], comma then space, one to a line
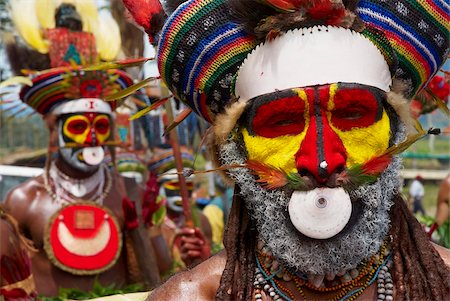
[351, 114]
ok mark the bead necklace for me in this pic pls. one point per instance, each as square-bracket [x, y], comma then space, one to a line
[63, 196]
[377, 268]
[77, 187]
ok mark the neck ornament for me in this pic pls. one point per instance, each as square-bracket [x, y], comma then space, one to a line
[64, 189]
[271, 279]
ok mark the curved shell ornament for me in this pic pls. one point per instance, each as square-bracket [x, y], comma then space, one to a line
[320, 213]
[93, 155]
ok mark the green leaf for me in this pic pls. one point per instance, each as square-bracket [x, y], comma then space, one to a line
[159, 215]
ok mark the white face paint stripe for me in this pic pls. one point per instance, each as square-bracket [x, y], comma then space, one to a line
[94, 105]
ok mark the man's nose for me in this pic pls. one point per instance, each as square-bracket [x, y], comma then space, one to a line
[91, 138]
[321, 153]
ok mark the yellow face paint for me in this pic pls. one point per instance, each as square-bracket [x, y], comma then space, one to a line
[77, 128]
[102, 128]
[80, 128]
[362, 143]
[368, 138]
[278, 152]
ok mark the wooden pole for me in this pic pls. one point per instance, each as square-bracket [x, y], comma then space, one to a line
[179, 165]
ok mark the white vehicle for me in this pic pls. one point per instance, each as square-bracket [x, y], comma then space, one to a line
[11, 176]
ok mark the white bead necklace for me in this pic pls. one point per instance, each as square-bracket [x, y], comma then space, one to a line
[64, 189]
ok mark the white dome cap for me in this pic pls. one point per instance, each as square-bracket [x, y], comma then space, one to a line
[312, 56]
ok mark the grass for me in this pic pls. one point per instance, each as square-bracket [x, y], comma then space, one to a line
[441, 145]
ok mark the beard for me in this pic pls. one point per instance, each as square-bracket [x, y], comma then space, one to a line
[360, 239]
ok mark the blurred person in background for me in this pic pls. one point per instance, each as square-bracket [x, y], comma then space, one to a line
[73, 212]
[217, 211]
[416, 193]
[189, 246]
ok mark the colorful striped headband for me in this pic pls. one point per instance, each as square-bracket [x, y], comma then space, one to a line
[199, 53]
[57, 86]
[417, 31]
[164, 161]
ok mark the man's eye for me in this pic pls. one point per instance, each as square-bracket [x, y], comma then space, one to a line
[349, 114]
[102, 126]
[77, 126]
[280, 125]
[284, 122]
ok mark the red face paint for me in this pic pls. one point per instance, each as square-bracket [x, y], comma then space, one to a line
[86, 129]
[281, 117]
[318, 114]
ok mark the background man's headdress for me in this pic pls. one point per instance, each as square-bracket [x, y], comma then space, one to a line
[66, 86]
[163, 161]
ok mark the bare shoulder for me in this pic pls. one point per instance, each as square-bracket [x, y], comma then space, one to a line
[19, 198]
[444, 253]
[200, 283]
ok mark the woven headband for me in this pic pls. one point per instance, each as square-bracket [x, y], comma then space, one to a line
[61, 85]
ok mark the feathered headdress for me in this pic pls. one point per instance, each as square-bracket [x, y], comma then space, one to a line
[35, 22]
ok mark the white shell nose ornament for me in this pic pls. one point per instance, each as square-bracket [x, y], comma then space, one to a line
[93, 155]
[320, 213]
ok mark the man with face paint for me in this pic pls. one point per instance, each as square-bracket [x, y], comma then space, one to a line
[310, 135]
[189, 246]
[73, 212]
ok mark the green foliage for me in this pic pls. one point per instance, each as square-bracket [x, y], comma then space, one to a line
[21, 135]
[443, 231]
[216, 248]
[98, 290]
[444, 234]
[295, 181]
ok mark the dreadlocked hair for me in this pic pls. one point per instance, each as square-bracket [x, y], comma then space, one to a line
[264, 20]
[239, 241]
[419, 271]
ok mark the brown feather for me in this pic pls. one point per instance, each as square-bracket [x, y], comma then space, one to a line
[22, 57]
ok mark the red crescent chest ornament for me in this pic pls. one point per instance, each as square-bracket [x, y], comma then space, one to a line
[83, 239]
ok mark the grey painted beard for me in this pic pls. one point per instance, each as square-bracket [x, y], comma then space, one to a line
[357, 242]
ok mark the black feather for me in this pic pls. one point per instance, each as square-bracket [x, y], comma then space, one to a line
[171, 5]
[22, 57]
[250, 13]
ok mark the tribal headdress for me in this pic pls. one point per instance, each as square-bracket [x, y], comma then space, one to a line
[163, 161]
[70, 96]
[66, 89]
[70, 35]
[312, 96]
[202, 45]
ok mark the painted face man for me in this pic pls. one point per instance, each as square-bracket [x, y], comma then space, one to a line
[73, 212]
[320, 106]
[85, 125]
